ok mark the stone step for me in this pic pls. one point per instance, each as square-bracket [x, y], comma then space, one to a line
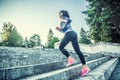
[116, 73]
[33, 69]
[102, 72]
[66, 73]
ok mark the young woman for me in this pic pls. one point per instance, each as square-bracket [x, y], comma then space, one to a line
[70, 36]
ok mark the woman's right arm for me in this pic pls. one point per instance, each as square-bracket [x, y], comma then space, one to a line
[59, 29]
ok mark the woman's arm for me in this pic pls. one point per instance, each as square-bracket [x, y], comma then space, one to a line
[59, 29]
[64, 27]
[67, 21]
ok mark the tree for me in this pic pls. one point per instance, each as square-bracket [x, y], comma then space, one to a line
[51, 39]
[15, 39]
[10, 36]
[84, 37]
[50, 35]
[0, 39]
[34, 40]
[104, 20]
[52, 42]
[25, 43]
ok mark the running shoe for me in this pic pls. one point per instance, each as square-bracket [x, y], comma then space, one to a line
[70, 61]
[85, 71]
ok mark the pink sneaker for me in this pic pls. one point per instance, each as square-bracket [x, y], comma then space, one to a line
[85, 71]
[70, 61]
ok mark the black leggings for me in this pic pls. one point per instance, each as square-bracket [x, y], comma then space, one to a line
[71, 36]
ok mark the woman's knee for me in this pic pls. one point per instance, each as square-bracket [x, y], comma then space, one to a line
[60, 48]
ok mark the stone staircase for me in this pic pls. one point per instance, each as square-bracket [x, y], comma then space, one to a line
[35, 64]
[101, 72]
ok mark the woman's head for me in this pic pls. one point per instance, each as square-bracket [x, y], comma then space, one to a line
[64, 13]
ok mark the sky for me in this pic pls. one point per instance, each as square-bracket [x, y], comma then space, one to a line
[38, 16]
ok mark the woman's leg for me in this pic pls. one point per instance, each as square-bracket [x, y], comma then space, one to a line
[77, 50]
[63, 43]
[75, 44]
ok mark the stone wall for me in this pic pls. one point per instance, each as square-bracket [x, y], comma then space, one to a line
[16, 56]
[96, 48]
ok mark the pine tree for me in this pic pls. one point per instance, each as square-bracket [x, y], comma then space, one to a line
[104, 20]
[51, 39]
[84, 37]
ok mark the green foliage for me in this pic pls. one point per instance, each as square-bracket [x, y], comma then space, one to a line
[50, 35]
[10, 36]
[52, 42]
[104, 20]
[25, 43]
[51, 39]
[15, 39]
[34, 41]
[84, 37]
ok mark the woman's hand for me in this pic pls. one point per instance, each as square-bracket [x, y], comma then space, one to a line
[58, 28]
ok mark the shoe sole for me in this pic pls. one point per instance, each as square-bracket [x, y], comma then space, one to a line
[71, 64]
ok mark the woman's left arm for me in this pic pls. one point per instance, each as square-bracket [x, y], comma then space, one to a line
[67, 21]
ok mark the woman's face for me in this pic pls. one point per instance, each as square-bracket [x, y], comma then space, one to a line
[60, 15]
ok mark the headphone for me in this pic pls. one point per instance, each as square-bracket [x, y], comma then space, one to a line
[61, 12]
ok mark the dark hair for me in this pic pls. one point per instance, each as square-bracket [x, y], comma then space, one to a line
[65, 13]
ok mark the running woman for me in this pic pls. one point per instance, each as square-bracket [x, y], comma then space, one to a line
[70, 36]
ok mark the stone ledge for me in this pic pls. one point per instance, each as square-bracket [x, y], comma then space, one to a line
[66, 73]
[95, 48]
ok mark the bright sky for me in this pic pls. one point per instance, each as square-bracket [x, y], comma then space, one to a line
[38, 16]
